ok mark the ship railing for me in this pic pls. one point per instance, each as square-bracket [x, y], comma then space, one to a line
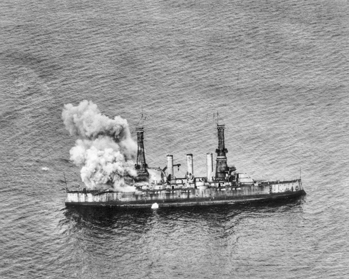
[196, 185]
[279, 181]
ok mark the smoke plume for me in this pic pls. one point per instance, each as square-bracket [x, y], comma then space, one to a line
[105, 150]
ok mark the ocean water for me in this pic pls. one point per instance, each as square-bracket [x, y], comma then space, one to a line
[277, 73]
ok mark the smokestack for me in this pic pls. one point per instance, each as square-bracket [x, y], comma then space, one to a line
[209, 160]
[141, 165]
[221, 161]
[190, 164]
[170, 165]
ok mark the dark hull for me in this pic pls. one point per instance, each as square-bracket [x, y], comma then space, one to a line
[197, 201]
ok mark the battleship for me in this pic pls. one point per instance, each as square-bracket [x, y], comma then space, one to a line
[222, 184]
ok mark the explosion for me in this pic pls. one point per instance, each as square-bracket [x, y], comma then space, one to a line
[105, 150]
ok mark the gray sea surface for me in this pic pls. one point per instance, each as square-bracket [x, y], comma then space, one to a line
[276, 71]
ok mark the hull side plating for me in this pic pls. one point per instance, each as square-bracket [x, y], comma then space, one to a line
[186, 196]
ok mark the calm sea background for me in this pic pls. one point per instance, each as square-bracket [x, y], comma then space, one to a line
[276, 71]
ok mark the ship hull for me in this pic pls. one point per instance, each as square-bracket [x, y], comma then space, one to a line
[202, 196]
[197, 202]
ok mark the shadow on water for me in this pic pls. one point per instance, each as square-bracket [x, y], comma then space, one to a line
[111, 216]
[105, 216]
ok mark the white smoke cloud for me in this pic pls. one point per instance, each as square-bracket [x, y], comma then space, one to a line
[105, 151]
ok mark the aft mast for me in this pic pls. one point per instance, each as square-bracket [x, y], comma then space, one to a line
[221, 160]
